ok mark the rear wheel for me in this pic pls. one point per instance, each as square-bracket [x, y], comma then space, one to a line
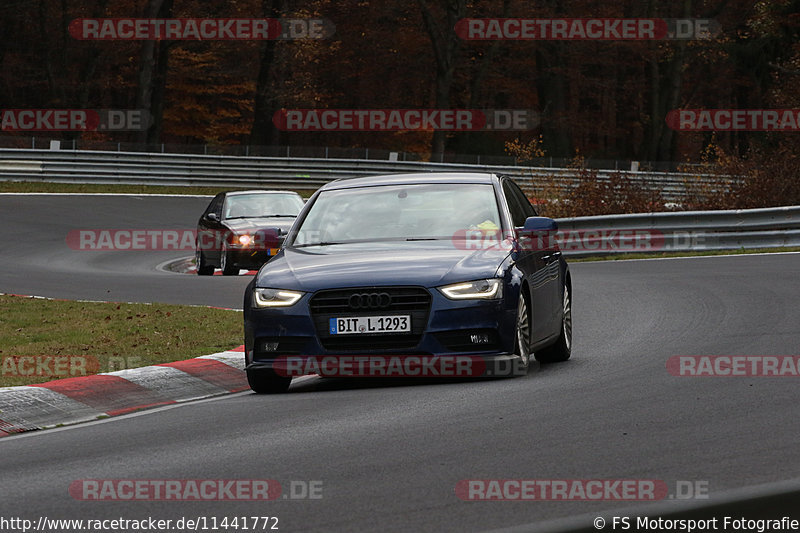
[562, 349]
[225, 263]
[266, 381]
[203, 268]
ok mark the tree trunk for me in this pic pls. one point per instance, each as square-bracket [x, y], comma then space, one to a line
[666, 83]
[152, 75]
[90, 67]
[476, 83]
[264, 131]
[552, 90]
[446, 45]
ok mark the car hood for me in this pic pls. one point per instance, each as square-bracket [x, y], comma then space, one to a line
[350, 265]
[245, 225]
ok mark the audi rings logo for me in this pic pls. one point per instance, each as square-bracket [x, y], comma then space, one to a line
[370, 300]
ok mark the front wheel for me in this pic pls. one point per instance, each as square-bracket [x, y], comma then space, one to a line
[266, 381]
[203, 268]
[523, 338]
[225, 263]
[562, 349]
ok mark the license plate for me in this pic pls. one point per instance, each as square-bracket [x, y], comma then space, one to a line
[370, 324]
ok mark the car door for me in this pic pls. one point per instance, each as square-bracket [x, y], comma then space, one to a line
[529, 261]
[549, 293]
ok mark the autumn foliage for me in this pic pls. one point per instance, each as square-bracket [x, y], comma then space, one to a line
[605, 100]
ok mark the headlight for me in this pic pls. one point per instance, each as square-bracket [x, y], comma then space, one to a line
[275, 298]
[484, 289]
[244, 240]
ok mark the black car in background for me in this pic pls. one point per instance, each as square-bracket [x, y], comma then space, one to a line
[243, 229]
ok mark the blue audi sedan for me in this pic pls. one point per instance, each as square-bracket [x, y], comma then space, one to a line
[431, 266]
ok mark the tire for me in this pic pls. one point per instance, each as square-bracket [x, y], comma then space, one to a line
[267, 382]
[225, 263]
[203, 268]
[562, 349]
[522, 341]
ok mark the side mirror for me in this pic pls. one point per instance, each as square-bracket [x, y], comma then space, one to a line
[540, 224]
[212, 217]
[538, 234]
[267, 238]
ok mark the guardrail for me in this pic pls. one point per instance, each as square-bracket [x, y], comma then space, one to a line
[582, 236]
[775, 227]
[141, 168]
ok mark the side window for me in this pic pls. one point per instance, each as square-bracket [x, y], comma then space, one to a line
[523, 200]
[517, 212]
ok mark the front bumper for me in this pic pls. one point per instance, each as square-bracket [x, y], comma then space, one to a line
[478, 330]
[249, 258]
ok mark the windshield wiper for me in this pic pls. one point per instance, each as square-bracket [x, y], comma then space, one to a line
[424, 239]
[323, 243]
[262, 216]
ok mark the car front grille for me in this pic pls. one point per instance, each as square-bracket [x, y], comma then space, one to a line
[371, 301]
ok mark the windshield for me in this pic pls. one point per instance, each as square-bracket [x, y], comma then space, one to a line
[262, 205]
[398, 212]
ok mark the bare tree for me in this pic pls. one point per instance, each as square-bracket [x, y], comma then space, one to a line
[153, 65]
[446, 45]
[263, 131]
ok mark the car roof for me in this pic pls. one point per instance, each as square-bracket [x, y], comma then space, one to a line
[258, 191]
[409, 179]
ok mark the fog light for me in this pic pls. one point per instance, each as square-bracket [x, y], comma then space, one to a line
[269, 346]
[479, 338]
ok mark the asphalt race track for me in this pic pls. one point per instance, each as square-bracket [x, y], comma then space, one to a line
[389, 454]
[36, 258]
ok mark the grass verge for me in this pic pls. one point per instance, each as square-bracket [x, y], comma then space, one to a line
[40, 186]
[741, 251]
[68, 338]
